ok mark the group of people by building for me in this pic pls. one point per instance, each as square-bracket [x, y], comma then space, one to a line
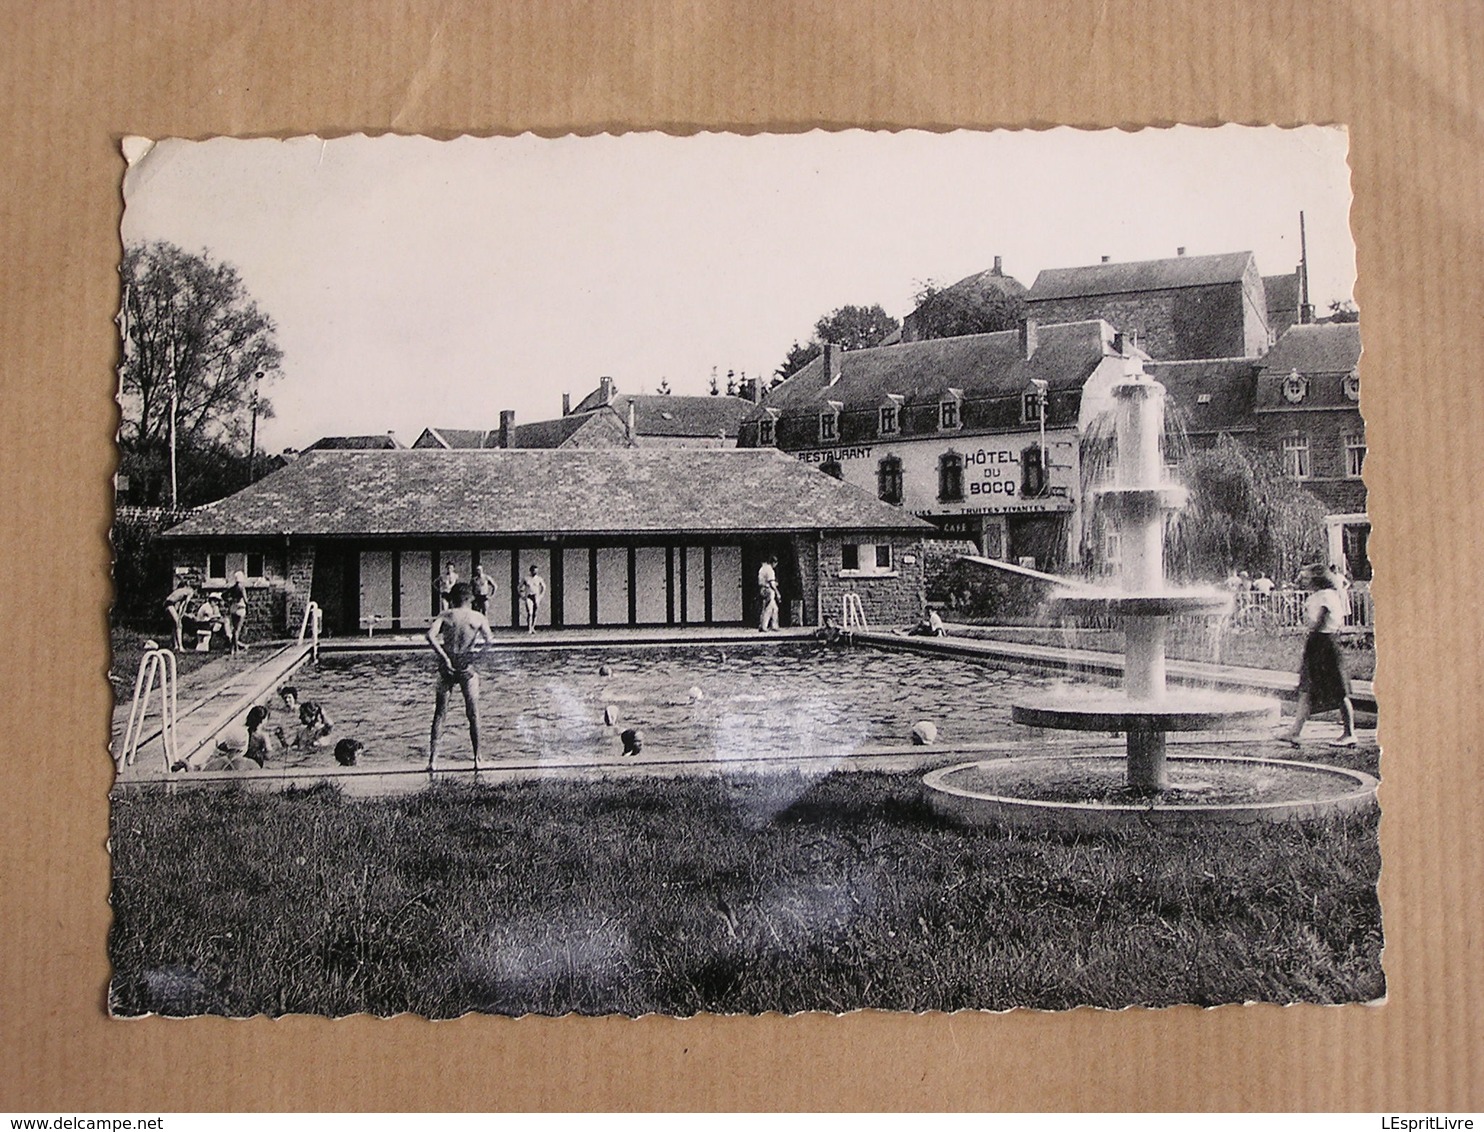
[223, 611]
[482, 588]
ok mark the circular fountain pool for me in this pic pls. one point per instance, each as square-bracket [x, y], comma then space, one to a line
[1090, 793]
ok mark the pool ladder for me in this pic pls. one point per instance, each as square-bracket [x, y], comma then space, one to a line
[852, 613]
[155, 663]
[314, 621]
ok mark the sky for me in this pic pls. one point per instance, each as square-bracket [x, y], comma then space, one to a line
[417, 282]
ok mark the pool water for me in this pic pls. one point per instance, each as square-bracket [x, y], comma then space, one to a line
[759, 701]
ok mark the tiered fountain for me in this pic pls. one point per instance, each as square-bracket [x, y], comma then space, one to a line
[1087, 791]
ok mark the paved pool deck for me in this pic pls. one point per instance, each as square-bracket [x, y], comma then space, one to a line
[218, 696]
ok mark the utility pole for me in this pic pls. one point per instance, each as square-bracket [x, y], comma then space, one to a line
[1040, 385]
[174, 409]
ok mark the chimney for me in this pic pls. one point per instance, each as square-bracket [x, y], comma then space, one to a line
[1106, 258]
[1029, 338]
[507, 424]
[751, 389]
[831, 363]
[633, 432]
[998, 267]
[605, 385]
[566, 404]
[1180, 251]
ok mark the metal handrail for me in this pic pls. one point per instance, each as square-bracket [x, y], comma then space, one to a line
[155, 662]
[312, 623]
[852, 613]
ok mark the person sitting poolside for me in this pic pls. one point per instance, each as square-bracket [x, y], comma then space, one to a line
[931, 625]
[206, 623]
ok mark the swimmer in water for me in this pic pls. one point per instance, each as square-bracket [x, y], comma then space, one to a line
[456, 635]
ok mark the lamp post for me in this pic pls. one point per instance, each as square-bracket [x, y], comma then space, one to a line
[174, 412]
[252, 442]
[1039, 386]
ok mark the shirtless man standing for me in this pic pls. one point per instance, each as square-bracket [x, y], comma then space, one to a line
[456, 635]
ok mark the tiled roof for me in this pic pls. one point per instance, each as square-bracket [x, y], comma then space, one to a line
[1146, 275]
[1210, 395]
[671, 415]
[538, 491]
[981, 365]
[353, 443]
[1321, 347]
[451, 438]
[542, 434]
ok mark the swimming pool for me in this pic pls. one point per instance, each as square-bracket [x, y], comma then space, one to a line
[756, 701]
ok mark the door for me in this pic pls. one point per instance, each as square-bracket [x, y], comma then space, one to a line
[541, 559]
[726, 583]
[376, 589]
[496, 564]
[651, 586]
[577, 587]
[695, 585]
[613, 585]
[416, 590]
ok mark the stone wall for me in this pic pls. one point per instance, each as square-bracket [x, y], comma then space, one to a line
[298, 585]
[895, 597]
[1189, 322]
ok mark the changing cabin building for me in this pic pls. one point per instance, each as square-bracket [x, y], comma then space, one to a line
[623, 537]
[950, 429]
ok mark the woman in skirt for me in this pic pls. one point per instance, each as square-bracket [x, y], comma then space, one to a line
[1323, 684]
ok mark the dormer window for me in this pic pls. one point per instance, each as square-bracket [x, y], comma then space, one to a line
[950, 414]
[889, 416]
[829, 422]
[767, 435]
[1030, 406]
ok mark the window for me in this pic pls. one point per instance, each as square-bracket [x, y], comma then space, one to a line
[948, 413]
[889, 480]
[832, 469]
[888, 422]
[1030, 407]
[829, 425]
[950, 477]
[216, 567]
[222, 567]
[866, 558]
[1296, 457]
[765, 433]
[1032, 473]
[254, 566]
[1354, 454]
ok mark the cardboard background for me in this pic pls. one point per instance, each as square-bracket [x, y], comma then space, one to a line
[77, 76]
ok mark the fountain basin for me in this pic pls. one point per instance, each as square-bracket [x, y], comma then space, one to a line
[1088, 793]
[1169, 603]
[1109, 709]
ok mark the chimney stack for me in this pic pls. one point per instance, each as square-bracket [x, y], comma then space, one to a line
[1180, 250]
[566, 404]
[605, 385]
[831, 363]
[632, 431]
[507, 424]
[1106, 258]
[1029, 338]
[998, 267]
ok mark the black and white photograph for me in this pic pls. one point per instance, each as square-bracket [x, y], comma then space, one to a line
[715, 574]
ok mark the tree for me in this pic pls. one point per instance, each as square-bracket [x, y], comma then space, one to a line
[1343, 310]
[948, 312]
[849, 327]
[799, 356]
[1244, 513]
[663, 389]
[190, 326]
[856, 328]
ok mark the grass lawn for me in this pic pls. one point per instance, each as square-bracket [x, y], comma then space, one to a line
[748, 894]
